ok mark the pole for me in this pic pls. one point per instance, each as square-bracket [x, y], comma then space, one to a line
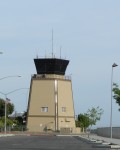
[5, 113]
[111, 104]
[52, 44]
[111, 128]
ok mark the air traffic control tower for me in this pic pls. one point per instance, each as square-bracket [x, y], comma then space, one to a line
[50, 105]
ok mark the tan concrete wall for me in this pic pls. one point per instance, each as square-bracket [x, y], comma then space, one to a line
[106, 132]
[65, 99]
[76, 130]
[39, 124]
[67, 130]
[66, 122]
[42, 94]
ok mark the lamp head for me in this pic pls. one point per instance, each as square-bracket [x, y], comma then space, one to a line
[19, 76]
[114, 65]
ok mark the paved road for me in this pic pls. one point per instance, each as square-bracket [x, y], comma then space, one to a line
[44, 143]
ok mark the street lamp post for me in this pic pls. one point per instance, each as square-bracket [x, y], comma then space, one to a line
[6, 94]
[114, 65]
[5, 112]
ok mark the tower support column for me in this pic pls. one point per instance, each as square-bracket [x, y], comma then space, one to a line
[56, 105]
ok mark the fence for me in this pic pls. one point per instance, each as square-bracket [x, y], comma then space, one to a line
[15, 128]
[106, 132]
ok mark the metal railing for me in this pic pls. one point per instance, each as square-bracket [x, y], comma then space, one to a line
[21, 128]
[45, 76]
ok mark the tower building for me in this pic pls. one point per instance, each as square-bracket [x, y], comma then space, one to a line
[50, 105]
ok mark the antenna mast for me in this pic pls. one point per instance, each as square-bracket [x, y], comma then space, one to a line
[45, 53]
[60, 51]
[36, 53]
[52, 43]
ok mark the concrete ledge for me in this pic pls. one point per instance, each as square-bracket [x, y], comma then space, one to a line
[67, 135]
[100, 144]
[6, 135]
[107, 146]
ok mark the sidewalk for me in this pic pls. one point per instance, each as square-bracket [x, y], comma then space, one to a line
[105, 139]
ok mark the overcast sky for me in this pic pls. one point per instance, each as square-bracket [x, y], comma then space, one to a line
[88, 32]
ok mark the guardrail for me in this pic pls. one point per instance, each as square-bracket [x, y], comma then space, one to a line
[45, 76]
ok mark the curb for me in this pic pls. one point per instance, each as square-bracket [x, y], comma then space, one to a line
[6, 135]
[107, 146]
[100, 144]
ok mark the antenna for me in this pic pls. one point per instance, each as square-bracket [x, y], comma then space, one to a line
[60, 51]
[36, 54]
[52, 43]
[45, 54]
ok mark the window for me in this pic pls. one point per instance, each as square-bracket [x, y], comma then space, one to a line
[44, 109]
[63, 109]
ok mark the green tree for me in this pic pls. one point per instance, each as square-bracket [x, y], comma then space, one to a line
[94, 115]
[9, 122]
[116, 96]
[10, 108]
[2, 107]
[21, 120]
[83, 121]
[1, 123]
